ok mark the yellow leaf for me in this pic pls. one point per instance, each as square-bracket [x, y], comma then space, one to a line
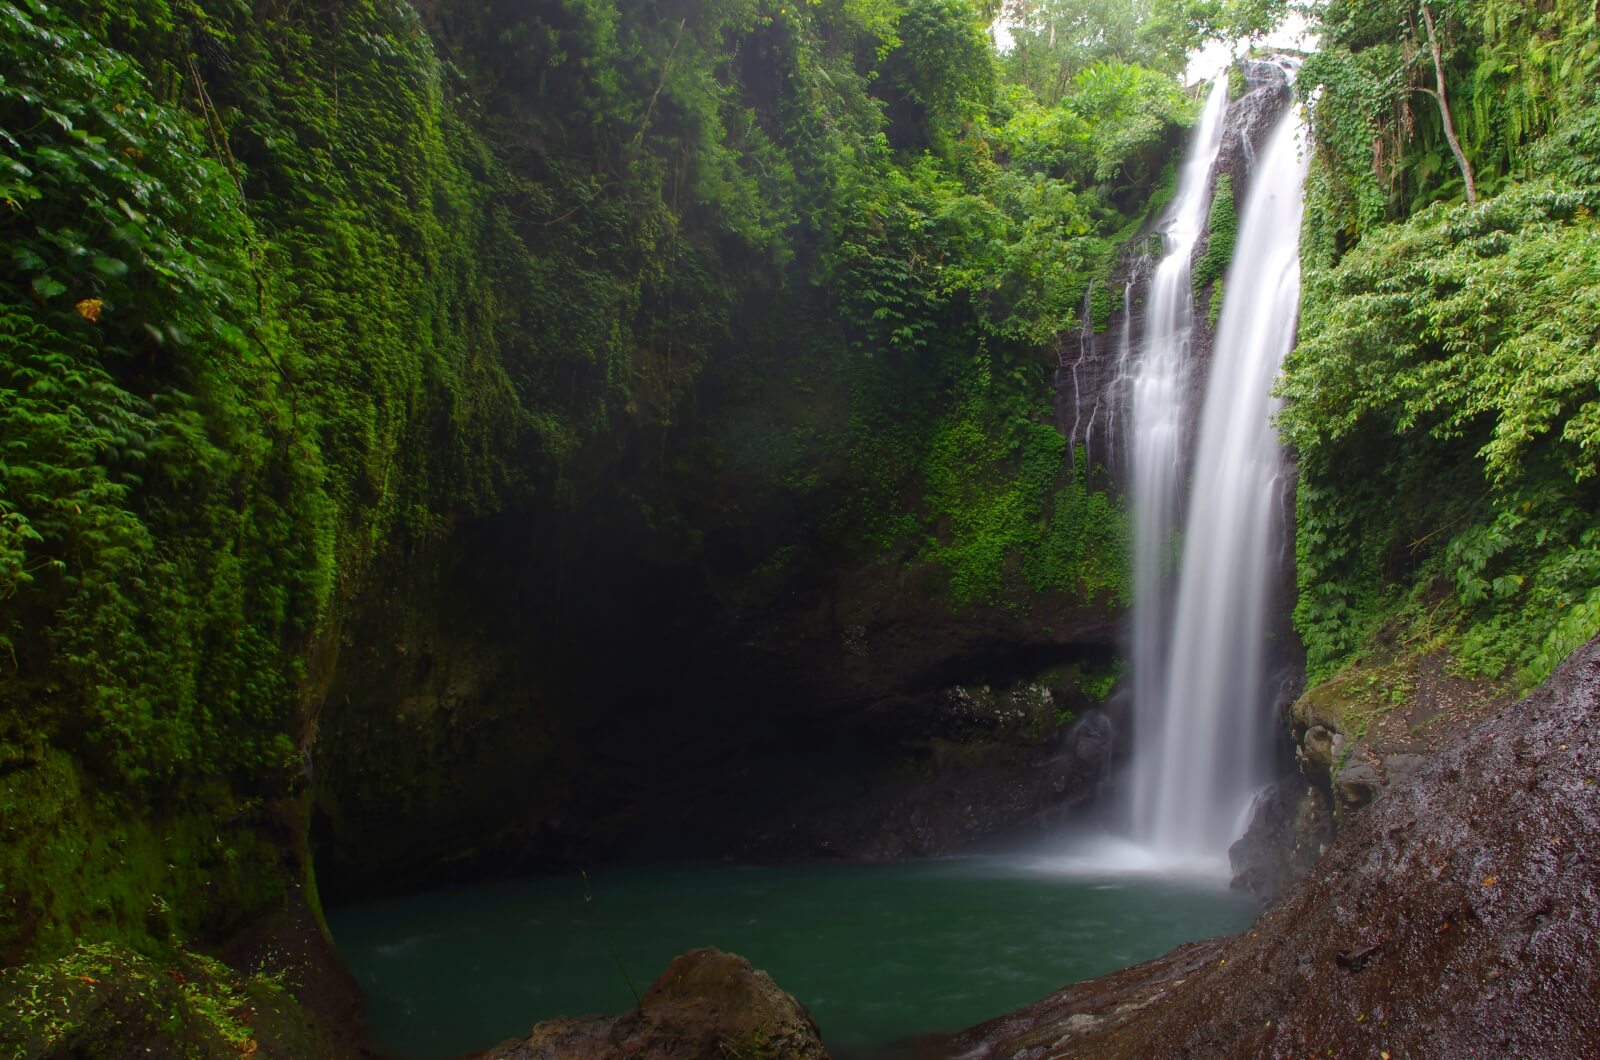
[89, 309]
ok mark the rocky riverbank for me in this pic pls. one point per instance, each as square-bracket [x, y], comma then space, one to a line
[1372, 726]
[1454, 916]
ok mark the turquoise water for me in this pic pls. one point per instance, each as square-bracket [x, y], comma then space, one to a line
[877, 952]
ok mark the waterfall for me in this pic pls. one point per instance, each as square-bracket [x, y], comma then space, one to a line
[1157, 424]
[1204, 748]
[1085, 347]
[1121, 381]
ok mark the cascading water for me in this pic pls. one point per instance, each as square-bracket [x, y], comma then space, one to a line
[1203, 751]
[1122, 381]
[1157, 424]
[1085, 347]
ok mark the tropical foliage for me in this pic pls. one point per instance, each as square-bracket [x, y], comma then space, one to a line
[1443, 397]
[292, 291]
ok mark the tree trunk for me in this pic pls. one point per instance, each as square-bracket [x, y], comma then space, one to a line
[1444, 109]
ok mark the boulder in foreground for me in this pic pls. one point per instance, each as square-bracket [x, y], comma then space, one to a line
[706, 1004]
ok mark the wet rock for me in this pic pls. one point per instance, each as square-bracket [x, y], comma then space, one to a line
[1455, 916]
[1355, 785]
[975, 761]
[1091, 747]
[706, 1004]
[1312, 831]
[1257, 858]
[1093, 400]
[1290, 827]
[1250, 119]
[1316, 753]
[1397, 769]
[471, 723]
[1405, 708]
[981, 712]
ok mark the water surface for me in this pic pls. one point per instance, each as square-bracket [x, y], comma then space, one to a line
[877, 952]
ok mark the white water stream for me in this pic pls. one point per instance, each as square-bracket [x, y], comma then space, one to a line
[1202, 743]
[1157, 429]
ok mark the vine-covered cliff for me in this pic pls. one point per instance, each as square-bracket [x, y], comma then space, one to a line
[1442, 398]
[458, 424]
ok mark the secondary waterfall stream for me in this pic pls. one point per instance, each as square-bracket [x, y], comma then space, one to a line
[1201, 745]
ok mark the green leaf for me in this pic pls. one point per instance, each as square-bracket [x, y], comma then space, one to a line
[48, 286]
[108, 266]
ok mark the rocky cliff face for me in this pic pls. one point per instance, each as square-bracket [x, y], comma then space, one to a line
[1370, 728]
[1093, 381]
[1093, 409]
[478, 722]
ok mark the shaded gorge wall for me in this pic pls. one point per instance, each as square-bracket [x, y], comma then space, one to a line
[460, 425]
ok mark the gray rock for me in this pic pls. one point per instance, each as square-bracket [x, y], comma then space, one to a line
[1354, 786]
[1259, 857]
[1092, 742]
[1316, 751]
[1290, 827]
[1400, 768]
[1454, 917]
[1312, 831]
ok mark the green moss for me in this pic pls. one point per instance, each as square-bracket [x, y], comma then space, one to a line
[1010, 522]
[1214, 305]
[1161, 193]
[1237, 86]
[754, 1046]
[1089, 682]
[1222, 227]
[106, 1001]
[1359, 696]
[225, 359]
[1098, 682]
[1103, 303]
[74, 864]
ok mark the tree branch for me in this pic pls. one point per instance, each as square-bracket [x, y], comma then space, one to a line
[666, 68]
[1444, 109]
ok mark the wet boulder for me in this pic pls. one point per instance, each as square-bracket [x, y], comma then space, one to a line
[1290, 827]
[1355, 785]
[707, 1003]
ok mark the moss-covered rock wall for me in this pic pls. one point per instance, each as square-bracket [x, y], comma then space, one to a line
[425, 416]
